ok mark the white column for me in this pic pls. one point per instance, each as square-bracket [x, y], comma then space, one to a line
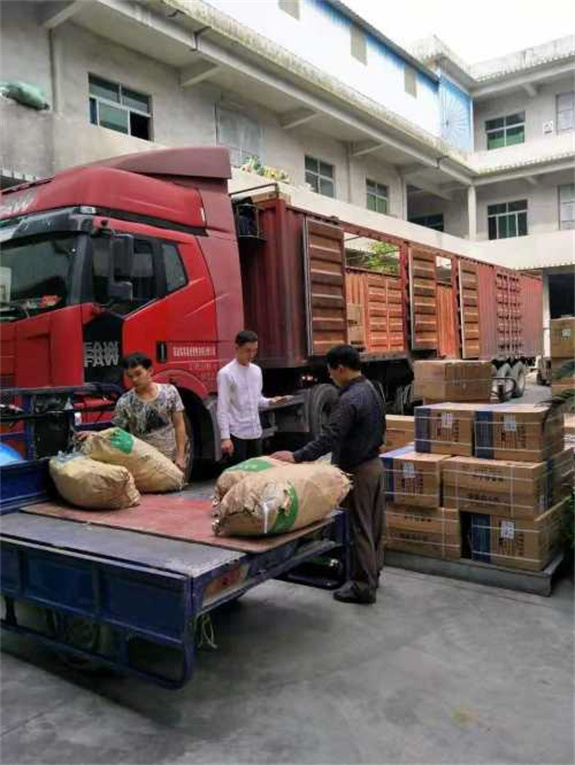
[404, 199]
[472, 212]
[546, 316]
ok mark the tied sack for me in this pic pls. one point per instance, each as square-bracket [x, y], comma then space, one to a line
[152, 471]
[89, 484]
[280, 500]
[237, 473]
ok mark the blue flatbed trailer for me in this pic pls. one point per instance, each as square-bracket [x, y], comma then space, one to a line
[115, 596]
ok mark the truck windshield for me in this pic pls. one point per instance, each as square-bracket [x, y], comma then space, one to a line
[35, 276]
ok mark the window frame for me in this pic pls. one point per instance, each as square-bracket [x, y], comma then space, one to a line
[410, 80]
[504, 128]
[358, 44]
[243, 155]
[291, 7]
[168, 243]
[559, 111]
[507, 215]
[119, 105]
[377, 195]
[424, 220]
[561, 203]
[320, 175]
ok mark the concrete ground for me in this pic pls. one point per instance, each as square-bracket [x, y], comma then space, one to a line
[438, 671]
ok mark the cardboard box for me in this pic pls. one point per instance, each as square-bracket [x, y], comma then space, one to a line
[518, 432]
[454, 380]
[563, 338]
[508, 489]
[445, 429]
[411, 478]
[564, 382]
[521, 544]
[435, 533]
[399, 431]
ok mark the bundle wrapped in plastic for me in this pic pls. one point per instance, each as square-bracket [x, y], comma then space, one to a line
[281, 499]
[86, 483]
[152, 471]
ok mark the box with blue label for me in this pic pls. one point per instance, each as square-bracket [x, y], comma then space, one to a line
[411, 478]
[445, 429]
[509, 489]
[521, 432]
[514, 543]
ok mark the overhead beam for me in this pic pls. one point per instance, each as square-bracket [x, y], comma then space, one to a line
[427, 187]
[532, 181]
[51, 15]
[362, 148]
[197, 72]
[297, 117]
[530, 89]
[523, 174]
[521, 80]
[410, 170]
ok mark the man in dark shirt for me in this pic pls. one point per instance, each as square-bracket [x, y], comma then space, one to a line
[354, 435]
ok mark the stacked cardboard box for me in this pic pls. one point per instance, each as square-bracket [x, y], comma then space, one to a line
[445, 429]
[413, 479]
[503, 482]
[514, 543]
[455, 380]
[505, 488]
[435, 532]
[562, 350]
[399, 431]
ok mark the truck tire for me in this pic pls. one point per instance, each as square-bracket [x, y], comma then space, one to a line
[322, 401]
[504, 389]
[519, 374]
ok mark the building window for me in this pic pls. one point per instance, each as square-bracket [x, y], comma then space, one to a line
[505, 131]
[410, 80]
[507, 219]
[358, 44]
[377, 196]
[240, 134]
[320, 176]
[120, 108]
[567, 206]
[565, 111]
[429, 221]
[291, 7]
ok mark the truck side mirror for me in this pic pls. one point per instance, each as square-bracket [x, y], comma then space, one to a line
[121, 267]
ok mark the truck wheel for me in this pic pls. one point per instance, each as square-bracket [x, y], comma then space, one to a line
[322, 401]
[504, 388]
[520, 376]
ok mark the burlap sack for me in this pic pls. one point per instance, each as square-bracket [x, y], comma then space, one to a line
[86, 483]
[280, 499]
[238, 472]
[151, 470]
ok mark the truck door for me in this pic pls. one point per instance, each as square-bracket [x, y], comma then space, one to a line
[468, 303]
[324, 268]
[423, 299]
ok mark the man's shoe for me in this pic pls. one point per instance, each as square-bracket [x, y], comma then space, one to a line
[350, 594]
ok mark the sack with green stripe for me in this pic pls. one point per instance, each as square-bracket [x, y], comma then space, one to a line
[281, 499]
[152, 471]
[238, 472]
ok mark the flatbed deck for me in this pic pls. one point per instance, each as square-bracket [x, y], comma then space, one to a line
[107, 587]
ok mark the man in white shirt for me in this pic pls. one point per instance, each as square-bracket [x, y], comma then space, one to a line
[240, 400]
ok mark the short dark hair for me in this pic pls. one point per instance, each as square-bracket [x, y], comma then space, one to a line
[344, 355]
[137, 359]
[246, 336]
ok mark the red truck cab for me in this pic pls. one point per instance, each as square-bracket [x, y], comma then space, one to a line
[134, 253]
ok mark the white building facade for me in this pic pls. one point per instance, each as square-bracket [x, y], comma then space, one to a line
[477, 160]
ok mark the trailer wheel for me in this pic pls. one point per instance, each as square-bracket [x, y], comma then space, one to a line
[504, 388]
[520, 376]
[322, 401]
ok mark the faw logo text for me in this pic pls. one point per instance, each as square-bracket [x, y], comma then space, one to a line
[102, 354]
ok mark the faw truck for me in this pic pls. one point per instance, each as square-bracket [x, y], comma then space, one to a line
[149, 252]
